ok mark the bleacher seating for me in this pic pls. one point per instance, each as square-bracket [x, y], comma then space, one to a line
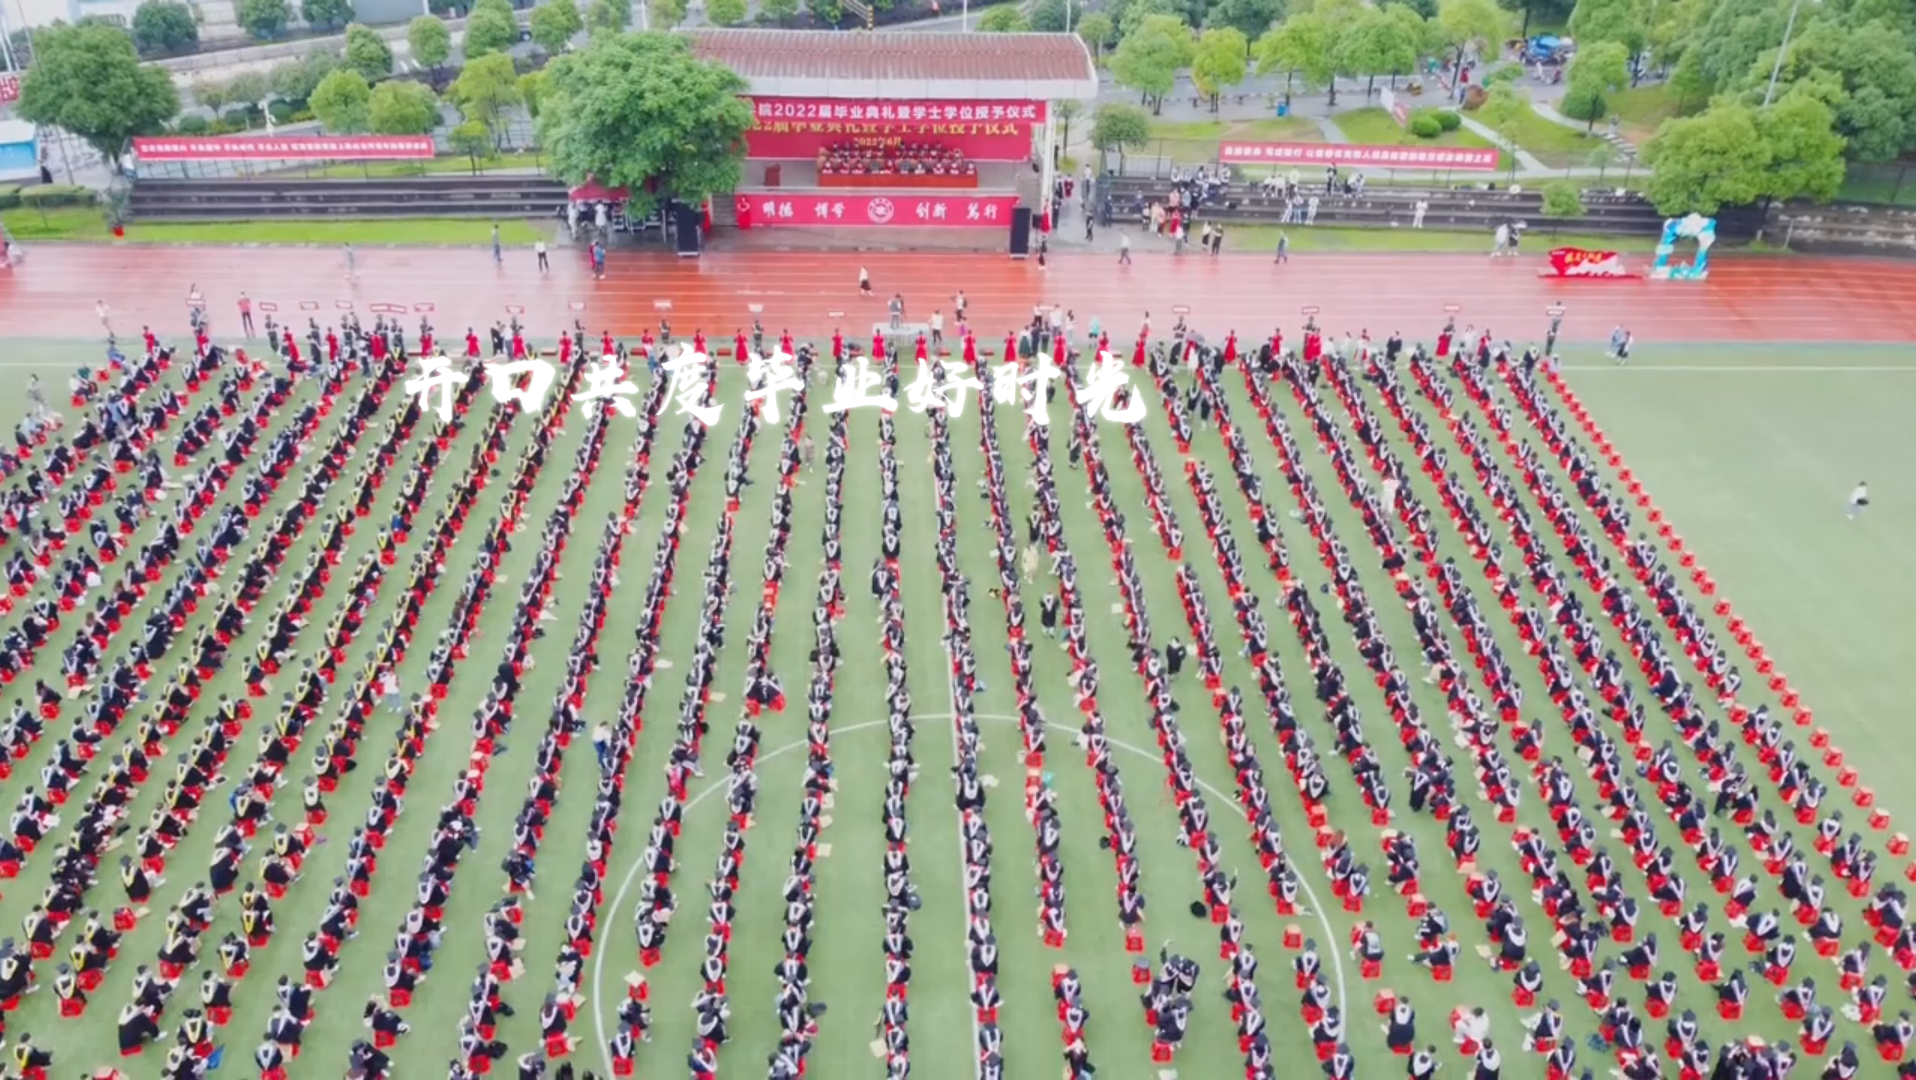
[494, 196]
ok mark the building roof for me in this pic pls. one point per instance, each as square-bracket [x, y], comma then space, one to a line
[904, 65]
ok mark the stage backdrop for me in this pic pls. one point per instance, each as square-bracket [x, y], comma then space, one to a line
[766, 209]
[798, 128]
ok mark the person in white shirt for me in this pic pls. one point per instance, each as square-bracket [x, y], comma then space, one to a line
[1858, 499]
[937, 327]
[539, 249]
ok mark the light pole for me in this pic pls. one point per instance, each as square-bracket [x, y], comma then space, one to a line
[1776, 70]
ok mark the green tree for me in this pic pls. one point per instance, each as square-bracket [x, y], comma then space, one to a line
[1375, 43]
[1597, 72]
[778, 10]
[263, 19]
[368, 53]
[1625, 22]
[1149, 58]
[430, 42]
[1097, 31]
[1869, 73]
[1806, 153]
[400, 107]
[251, 89]
[615, 16]
[88, 79]
[326, 14]
[1731, 38]
[1130, 14]
[165, 26]
[1062, 113]
[1048, 16]
[491, 28]
[1601, 157]
[1120, 127]
[1248, 17]
[212, 95]
[295, 80]
[1463, 23]
[471, 139]
[1562, 199]
[1219, 61]
[640, 111]
[1300, 50]
[666, 14]
[532, 91]
[486, 91]
[555, 23]
[1700, 163]
[1003, 19]
[343, 103]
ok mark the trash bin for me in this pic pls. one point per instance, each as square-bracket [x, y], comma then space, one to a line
[1283, 109]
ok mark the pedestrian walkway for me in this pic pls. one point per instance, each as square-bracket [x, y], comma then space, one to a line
[1625, 147]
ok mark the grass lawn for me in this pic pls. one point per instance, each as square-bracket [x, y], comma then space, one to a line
[1375, 127]
[1642, 109]
[1892, 184]
[1750, 461]
[1552, 143]
[86, 223]
[1190, 142]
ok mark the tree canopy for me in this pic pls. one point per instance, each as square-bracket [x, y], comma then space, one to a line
[1150, 56]
[1625, 22]
[368, 53]
[165, 26]
[1248, 17]
[403, 108]
[612, 16]
[1219, 61]
[1003, 19]
[1597, 72]
[1462, 23]
[430, 41]
[491, 28]
[343, 103]
[88, 79]
[1120, 127]
[1734, 154]
[555, 23]
[1097, 30]
[1376, 42]
[263, 19]
[326, 14]
[485, 89]
[640, 111]
[1299, 50]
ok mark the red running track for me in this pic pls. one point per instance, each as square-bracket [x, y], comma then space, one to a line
[1745, 299]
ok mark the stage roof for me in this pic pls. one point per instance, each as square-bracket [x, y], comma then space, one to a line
[899, 65]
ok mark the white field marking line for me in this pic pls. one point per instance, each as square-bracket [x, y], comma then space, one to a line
[713, 787]
[1746, 369]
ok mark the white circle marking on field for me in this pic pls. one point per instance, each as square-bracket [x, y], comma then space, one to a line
[717, 785]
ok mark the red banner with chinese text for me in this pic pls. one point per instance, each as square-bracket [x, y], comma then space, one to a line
[1439, 158]
[9, 89]
[292, 148]
[798, 128]
[1583, 263]
[765, 209]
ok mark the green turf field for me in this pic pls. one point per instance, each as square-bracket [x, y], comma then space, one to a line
[1751, 451]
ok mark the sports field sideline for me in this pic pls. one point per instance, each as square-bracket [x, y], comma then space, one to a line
[1750, 466]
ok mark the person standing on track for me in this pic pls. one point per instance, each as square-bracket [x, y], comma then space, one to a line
[246, 314]
[1620, 341]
